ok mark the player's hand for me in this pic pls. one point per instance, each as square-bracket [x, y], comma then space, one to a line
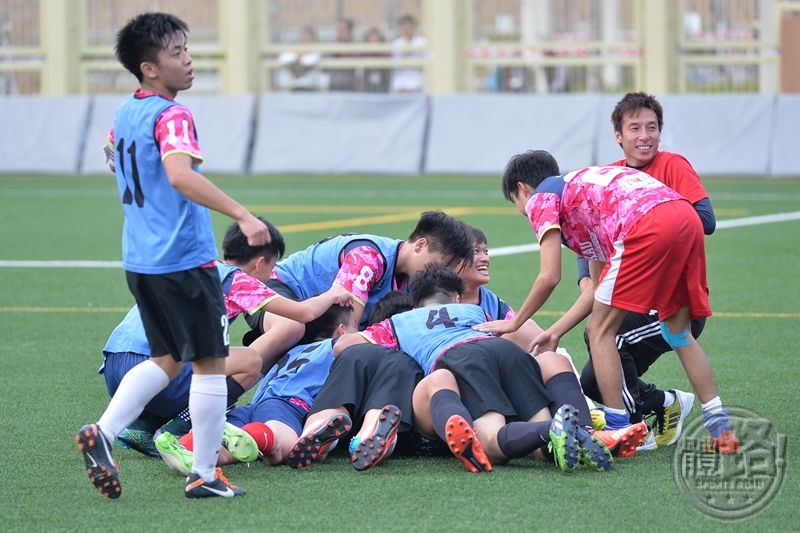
[544, 342]
[341, 295]
[257, 232]
[498, 327]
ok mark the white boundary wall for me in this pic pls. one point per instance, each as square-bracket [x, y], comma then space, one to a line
[336, 133]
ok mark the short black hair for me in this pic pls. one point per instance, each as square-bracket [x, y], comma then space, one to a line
[446, 235]
[388, 306]
[530, 168]
[631, 104]
[324, 326]
[478, 236]
[236, 249]
[143, 36]
[436, 283]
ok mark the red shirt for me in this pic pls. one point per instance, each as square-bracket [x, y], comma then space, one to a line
[674, 171]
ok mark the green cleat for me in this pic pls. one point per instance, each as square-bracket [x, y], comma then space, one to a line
[242, 446]
[594, 453]
[563, 443]
[174, 454]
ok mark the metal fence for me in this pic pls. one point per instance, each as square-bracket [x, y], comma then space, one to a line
[527, 46]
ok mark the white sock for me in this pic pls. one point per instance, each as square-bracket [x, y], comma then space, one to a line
[669, 398]
[713, 405]
[136, 389]
[207, 402]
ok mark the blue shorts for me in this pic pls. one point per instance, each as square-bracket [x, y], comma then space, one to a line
[280, 409]
[167, 403]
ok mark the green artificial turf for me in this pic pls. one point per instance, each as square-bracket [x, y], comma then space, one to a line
[55, 321]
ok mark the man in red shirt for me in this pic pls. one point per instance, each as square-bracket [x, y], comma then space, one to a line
[638, 121]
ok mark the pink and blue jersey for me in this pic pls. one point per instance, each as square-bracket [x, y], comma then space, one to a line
[163, 231]
[362, 264]
[595, 207]
[299, 375]
[426, 333]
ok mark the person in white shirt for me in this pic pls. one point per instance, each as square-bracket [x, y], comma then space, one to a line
[408, 80]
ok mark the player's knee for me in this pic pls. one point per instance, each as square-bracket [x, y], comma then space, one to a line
[675, 340]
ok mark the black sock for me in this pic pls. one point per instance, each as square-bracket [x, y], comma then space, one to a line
[444, 404]
[565, 388]
[519, 439]
[235, 391]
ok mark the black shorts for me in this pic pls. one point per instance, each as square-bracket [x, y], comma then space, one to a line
[496, 375]
[368, 376]
[256, 320]
[183, 313]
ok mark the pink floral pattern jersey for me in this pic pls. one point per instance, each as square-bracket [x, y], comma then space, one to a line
[174, 131]
[361, 268]
[247, 295]
[598, 207]
[382, 334]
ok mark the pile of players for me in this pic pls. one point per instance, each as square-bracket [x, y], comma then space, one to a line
[396, 345]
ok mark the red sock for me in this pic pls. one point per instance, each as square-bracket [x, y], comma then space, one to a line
[187, 441]
[262, 434]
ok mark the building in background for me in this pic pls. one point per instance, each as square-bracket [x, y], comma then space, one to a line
[524, 46]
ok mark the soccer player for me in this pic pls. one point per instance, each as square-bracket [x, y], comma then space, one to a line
[169, 255]
[371, 385]
[637, 120]
[369, 266]
[274, 418]
[474, 379]
[646, 251]
[476, 276]
[243, 274]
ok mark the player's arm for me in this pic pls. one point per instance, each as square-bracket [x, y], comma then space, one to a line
[174, 132]
[549, 339]
[200, 190]
[347, 340]
[546, 281]
[310, 309]
[705, 211]
[380, 333]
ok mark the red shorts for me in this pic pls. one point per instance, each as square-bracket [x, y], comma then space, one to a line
[660, 264]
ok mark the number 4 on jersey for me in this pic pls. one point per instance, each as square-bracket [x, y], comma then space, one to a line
[440, 317]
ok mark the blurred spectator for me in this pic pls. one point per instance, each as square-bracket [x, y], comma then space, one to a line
[408, 80]
[301, 70]
[374, 80]
[343, 79]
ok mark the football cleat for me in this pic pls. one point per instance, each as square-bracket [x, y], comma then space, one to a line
[100, 465]
[308, 448]
[670, 420]
[174, 454]
[465, 445]
[622, 442]
[241, 444]
[369, 451]
[725, 444]
[563, 444]
[220, 487]
[594, 453]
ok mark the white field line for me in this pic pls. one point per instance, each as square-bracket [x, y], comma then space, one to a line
[725, 224]
[495, 252]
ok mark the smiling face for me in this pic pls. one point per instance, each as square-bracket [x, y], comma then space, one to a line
[173, 70]
[478, 273]
[639, 137]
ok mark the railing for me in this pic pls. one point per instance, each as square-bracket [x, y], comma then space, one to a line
[496, 48]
